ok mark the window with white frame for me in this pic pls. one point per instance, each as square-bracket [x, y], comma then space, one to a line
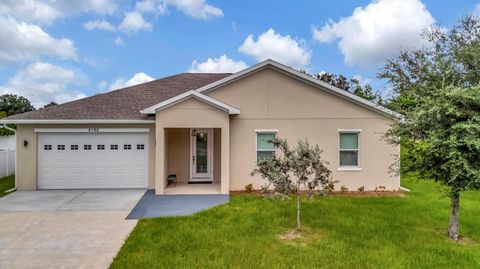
[349, 148]
[60, 147]
[73, 147]
[265, 148]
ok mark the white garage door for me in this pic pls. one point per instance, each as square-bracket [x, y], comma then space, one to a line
[92, 160]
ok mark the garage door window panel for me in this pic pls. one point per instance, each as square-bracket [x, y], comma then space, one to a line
[47, 147]
[73, 147]
[87, 147]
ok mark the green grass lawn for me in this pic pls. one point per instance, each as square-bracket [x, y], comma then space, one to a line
[356, 232]
[6, 183]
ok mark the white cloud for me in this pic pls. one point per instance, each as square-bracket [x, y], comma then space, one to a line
[134, 22]
[156, 6]
[118, 41]
[223, 64]
[476, 11]
[361, 80]
[42, 83]
[99, 24]
[379, 30]
[284, 49]
[47, 11]
[20, 41]
[138, 78]
[198, 9]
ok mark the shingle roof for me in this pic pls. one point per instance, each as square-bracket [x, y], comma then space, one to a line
[126, 103]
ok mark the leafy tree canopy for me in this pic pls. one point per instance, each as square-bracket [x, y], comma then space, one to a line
[453, 59]
[352, 85]
[12, 104]
[52, 103]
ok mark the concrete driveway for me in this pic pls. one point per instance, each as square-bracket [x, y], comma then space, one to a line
[65, 228]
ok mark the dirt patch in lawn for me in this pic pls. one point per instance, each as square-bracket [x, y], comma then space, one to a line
[301, 238]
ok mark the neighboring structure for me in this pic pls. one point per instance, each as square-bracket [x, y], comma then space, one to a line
[7, 155]
[204, 128]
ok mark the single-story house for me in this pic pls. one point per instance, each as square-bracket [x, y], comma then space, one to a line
[203, 128]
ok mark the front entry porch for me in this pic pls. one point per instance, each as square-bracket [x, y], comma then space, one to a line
[193, 157]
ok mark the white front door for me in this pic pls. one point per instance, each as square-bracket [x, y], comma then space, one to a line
[201, 155]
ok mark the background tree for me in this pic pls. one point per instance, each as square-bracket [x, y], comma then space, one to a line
[12, 104]
[292, 171]
[436, 88]
[52, 103]
[352, 85]
[452, 59]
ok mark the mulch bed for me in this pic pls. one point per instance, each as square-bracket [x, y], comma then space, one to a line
[335, 193]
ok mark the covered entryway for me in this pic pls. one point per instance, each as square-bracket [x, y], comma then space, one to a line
[92, 159]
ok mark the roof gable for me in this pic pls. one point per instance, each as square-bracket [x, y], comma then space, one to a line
[301, 77]
[192, 94]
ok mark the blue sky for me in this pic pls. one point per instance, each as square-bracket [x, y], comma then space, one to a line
[64, 50]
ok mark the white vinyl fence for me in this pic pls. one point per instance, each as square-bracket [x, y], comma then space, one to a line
[7, 162]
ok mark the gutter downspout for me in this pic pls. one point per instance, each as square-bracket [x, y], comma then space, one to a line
[15, 131]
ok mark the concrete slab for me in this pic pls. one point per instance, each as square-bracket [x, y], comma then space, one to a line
[153, 206]
[104, 200]
[71, 200]
[64, 229]
[37, 200]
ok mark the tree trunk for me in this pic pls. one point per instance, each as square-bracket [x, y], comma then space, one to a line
[298, 211]
[453, 226]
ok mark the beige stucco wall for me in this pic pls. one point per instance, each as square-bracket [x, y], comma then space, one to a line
[27, 156]
[267, 99]
[272, 100]
[190, 113]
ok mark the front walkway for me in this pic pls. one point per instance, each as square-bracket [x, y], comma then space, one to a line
[200, 188]
[152, 206]
[64, 229]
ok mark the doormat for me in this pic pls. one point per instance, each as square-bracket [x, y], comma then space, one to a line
[200, 182]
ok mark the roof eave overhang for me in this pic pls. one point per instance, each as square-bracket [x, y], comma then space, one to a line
[76, 121]
[191, 94]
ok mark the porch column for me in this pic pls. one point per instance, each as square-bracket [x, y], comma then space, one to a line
[225, 149]
[159, 160]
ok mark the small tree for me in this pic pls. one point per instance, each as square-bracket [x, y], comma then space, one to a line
[296, 171]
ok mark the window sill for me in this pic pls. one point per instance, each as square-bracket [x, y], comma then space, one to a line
[349, 169]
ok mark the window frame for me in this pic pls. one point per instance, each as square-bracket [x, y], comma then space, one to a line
[100, 146]
[264, 131]
[74, 147]
[140, 146]
[61, 147]
[127, 146]
[114, 147]
[349, 167]
[48, 147]
[87, 147]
